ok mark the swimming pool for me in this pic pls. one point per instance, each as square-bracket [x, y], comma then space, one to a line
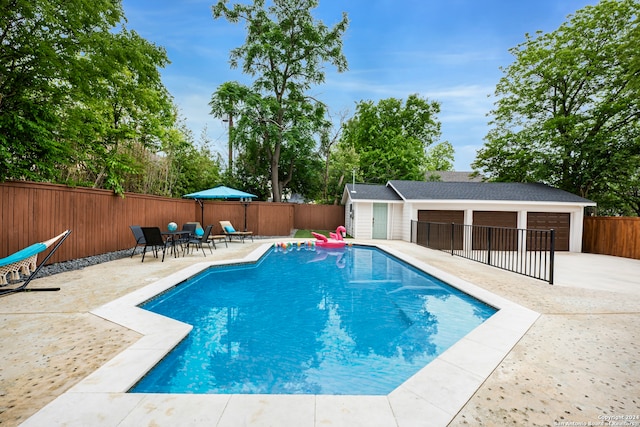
[348, 321]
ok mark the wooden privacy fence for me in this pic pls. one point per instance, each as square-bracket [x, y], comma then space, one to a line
[617, 236]
[100, 220]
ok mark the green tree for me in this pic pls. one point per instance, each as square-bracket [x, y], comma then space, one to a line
[328, 140]
[82, 101]
[40, 56]
[194, 169]
[253, 132]
[285, 51]
[117, 105]
[568, 106]
[343, 168]
[248, 110]
[440, 157]
[391, 137]
[227, 102]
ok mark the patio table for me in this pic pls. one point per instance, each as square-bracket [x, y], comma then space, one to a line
[174, 237]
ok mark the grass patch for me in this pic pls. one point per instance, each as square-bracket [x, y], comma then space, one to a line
[306, 234]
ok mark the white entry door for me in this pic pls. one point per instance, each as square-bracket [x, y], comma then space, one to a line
[379, 226]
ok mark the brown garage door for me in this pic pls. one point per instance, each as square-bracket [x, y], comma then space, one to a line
[495, 218]
[560, 222]
[457, 217]
[497, 230]
[434, 229]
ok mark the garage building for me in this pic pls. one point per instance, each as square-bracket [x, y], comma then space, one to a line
[387, 211]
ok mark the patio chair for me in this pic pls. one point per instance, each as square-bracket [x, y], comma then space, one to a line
[137, 234]
[201, 241]
[24, 263]
[229, 231]
[191, 227]
[213, 237]
[153, 239]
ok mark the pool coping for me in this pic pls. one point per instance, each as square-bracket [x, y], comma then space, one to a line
[458, 372]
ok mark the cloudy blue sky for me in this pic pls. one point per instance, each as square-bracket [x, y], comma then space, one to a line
[448, 51]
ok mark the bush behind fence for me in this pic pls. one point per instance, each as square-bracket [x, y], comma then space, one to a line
[100, 220]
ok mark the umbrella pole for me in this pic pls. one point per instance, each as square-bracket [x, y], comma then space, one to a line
[201, 212]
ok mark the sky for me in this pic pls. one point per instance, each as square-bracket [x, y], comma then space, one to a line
[449, 51]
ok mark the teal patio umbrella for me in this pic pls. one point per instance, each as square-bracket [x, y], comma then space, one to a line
[220, 192]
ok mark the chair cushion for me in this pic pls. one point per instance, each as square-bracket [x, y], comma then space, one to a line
[229, 229]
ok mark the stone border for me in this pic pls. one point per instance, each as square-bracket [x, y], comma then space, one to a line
[436, 393]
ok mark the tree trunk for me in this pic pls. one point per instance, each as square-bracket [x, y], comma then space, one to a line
[275, 180]
[336, 199]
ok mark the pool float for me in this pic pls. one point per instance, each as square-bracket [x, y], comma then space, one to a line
[336, 240]
[339, 234]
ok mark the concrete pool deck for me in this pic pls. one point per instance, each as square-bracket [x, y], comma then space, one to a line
[578, 362]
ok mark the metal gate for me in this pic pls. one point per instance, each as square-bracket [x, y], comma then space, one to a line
[523, 251]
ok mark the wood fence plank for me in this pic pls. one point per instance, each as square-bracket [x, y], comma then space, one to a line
[617, 236]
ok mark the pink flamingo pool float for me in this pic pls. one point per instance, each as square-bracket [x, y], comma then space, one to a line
[336, 239]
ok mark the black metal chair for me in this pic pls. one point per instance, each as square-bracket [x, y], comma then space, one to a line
[137, 234]
[201, 241]
[191, 228]
[153, 239]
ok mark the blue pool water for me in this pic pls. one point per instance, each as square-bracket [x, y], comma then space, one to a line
[342, 321]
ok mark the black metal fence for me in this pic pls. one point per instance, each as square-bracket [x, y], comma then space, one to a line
[523, 251]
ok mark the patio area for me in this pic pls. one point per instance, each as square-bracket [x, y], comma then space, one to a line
[577, 363]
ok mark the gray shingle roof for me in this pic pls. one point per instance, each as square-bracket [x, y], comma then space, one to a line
[507, 191]
[372, 192]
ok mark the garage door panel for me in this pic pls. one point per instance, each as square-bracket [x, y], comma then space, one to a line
[558, 221]
[434, 229]
[447, 217]
[495, 230]
[496, 218]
